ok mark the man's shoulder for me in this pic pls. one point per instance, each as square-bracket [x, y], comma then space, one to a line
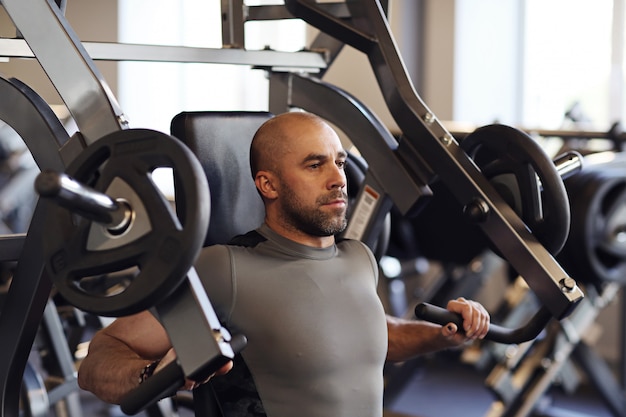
[344, 243]
[355, 248]
[250, 239]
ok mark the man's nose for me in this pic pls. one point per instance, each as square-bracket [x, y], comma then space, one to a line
[338, 178]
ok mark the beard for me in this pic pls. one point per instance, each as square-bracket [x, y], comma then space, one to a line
[312, 220]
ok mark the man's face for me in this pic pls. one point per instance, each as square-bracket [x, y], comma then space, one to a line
[312, 193]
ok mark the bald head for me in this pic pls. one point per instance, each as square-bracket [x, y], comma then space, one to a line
[272, 140]
[298, 161]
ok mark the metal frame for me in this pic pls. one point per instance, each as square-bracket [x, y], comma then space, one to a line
[28, 294]
[108, 51]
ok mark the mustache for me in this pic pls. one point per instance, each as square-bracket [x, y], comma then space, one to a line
[337, 195]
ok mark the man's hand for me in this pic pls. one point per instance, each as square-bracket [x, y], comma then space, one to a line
[475, 321]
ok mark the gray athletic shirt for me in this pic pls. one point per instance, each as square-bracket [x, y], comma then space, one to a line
[316, 329]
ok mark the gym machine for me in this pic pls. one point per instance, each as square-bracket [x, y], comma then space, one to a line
[564, 354]
[97, 115]
[366, 30]
[400, 174]
[595, 253]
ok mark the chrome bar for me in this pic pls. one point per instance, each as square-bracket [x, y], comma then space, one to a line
[68, 65]
[107, 51]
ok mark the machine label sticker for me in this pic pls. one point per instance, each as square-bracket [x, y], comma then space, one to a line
[362, 213]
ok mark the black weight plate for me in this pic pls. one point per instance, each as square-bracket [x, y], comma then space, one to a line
[513, 161]
[596, 249]
[143, 265]
[439, 231]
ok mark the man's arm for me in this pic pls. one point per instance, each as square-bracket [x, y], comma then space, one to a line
[118, 353]
[410, 338]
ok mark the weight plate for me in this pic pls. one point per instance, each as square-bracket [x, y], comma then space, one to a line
[112, 273]
[526, 178]
[596, 249]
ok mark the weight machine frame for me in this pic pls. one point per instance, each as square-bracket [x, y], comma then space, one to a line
[426, 151]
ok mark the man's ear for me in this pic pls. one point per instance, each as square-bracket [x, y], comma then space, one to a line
[265, 182]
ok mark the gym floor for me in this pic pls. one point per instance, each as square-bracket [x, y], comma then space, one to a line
[440, 387]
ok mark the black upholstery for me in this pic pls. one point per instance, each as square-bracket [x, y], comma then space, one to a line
[221, 141]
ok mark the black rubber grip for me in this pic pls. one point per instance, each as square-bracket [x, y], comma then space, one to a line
[160, 385]
[167, 381]
[496, 333]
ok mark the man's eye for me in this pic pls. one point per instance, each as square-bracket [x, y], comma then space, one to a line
[341, 164]
[314, 166]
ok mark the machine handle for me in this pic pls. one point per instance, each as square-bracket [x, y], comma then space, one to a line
[167, 381]
[160, 385]
[496, 333]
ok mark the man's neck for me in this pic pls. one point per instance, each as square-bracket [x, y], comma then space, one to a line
[301, 237]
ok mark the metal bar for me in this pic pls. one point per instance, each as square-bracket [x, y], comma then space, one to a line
[106, 51]
[81, 199]
[62, 391]
[58, 341]
[232, 24]
[616, 98]
[568, 164]
[11, 246]
[325, 20]
[184, 313]
[460, 132]
[279, 12]
[330, 46]
[69, 67]
[28, 114]
[269, 12]
[33, 119]
[21, 313]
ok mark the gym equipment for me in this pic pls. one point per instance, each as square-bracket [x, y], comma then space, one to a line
[367, 31]
[614, 136]
[97, 114]
[523, 375]
[28, 294]
[513, 161]
[399, 171]
[233, 195]
[521, 378]
[596, 251]
[137, 229]
[521, 172]
[35, 401]
[136, 226]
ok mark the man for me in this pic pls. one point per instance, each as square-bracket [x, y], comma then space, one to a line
[317, 333]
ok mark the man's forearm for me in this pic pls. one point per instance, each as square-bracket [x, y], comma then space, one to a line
[411, 338]
[111, 369]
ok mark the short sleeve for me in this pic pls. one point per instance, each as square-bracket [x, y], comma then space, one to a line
[214, 267]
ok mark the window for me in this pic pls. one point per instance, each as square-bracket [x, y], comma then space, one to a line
[152, 93]
[567, 61]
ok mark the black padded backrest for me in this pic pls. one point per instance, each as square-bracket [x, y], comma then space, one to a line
[221, 141]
